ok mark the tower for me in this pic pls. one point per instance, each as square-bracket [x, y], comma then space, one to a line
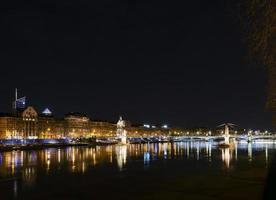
[19, 104]
[226, 135]
[121, 132]
[14, 102]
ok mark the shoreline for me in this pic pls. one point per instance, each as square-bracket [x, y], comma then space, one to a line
[62, 145]
[40, 146]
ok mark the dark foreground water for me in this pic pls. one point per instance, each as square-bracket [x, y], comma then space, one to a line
[196, 170]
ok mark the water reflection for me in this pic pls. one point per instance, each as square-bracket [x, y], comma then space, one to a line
[249, 150]
[121, 154]
[15, 191]
[26, 165]
[266, 153]
[226, 156]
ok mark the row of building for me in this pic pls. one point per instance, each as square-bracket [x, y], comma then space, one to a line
[29, 124]
[25, 122]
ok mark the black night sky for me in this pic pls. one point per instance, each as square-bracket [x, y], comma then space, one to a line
[150, 61]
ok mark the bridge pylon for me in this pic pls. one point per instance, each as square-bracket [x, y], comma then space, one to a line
[226, 134]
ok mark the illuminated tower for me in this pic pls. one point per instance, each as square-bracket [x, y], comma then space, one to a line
[249, 136]
[19, 104]
[227, 133]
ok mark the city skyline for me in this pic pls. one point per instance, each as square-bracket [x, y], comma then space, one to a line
[23, 100]
[188, 68]
[135, 100]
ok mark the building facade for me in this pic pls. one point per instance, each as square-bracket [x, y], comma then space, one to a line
[29, 124]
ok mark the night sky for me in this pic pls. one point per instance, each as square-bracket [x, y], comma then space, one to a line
[150, 61]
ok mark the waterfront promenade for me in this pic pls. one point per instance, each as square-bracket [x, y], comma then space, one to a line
[33, 144]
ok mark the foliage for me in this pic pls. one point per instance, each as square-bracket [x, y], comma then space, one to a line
[259, 23]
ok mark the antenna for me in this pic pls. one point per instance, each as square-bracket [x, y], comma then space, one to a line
[15, 94]
[15, 99]
[14, 102]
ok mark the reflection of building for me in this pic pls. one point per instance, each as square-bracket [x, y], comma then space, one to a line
[121, 154]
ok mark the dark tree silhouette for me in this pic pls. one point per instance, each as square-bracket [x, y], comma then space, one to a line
[259, 22]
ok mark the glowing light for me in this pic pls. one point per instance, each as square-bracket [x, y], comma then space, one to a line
[146, 125]
[165, 126]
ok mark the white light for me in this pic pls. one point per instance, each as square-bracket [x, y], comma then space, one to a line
[146, 126]
[32, 137]
[165, 126]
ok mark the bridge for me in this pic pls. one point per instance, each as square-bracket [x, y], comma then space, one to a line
[227, 138]
[221, 137]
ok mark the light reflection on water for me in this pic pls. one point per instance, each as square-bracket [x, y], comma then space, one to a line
[25, 165]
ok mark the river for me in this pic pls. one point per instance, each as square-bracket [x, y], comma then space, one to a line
[184, 170]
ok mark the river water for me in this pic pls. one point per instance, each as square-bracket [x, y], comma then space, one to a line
[184, 170]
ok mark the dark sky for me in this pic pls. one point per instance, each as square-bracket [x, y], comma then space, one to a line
[150, 61]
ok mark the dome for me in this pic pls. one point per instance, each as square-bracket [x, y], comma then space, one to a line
[47, 112]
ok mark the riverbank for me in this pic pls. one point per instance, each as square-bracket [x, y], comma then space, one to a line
[4, 148]
[39, 146]
[14, 145]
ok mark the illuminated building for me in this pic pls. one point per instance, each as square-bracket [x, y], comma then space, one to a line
[30, 119]
[26, 123]
[8, 126]
[49, 127]
[76, 125]
[31, 125]
[102, 129]
[18, 127]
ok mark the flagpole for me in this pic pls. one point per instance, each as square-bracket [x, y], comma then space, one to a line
[15, 94]
[15, 98]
